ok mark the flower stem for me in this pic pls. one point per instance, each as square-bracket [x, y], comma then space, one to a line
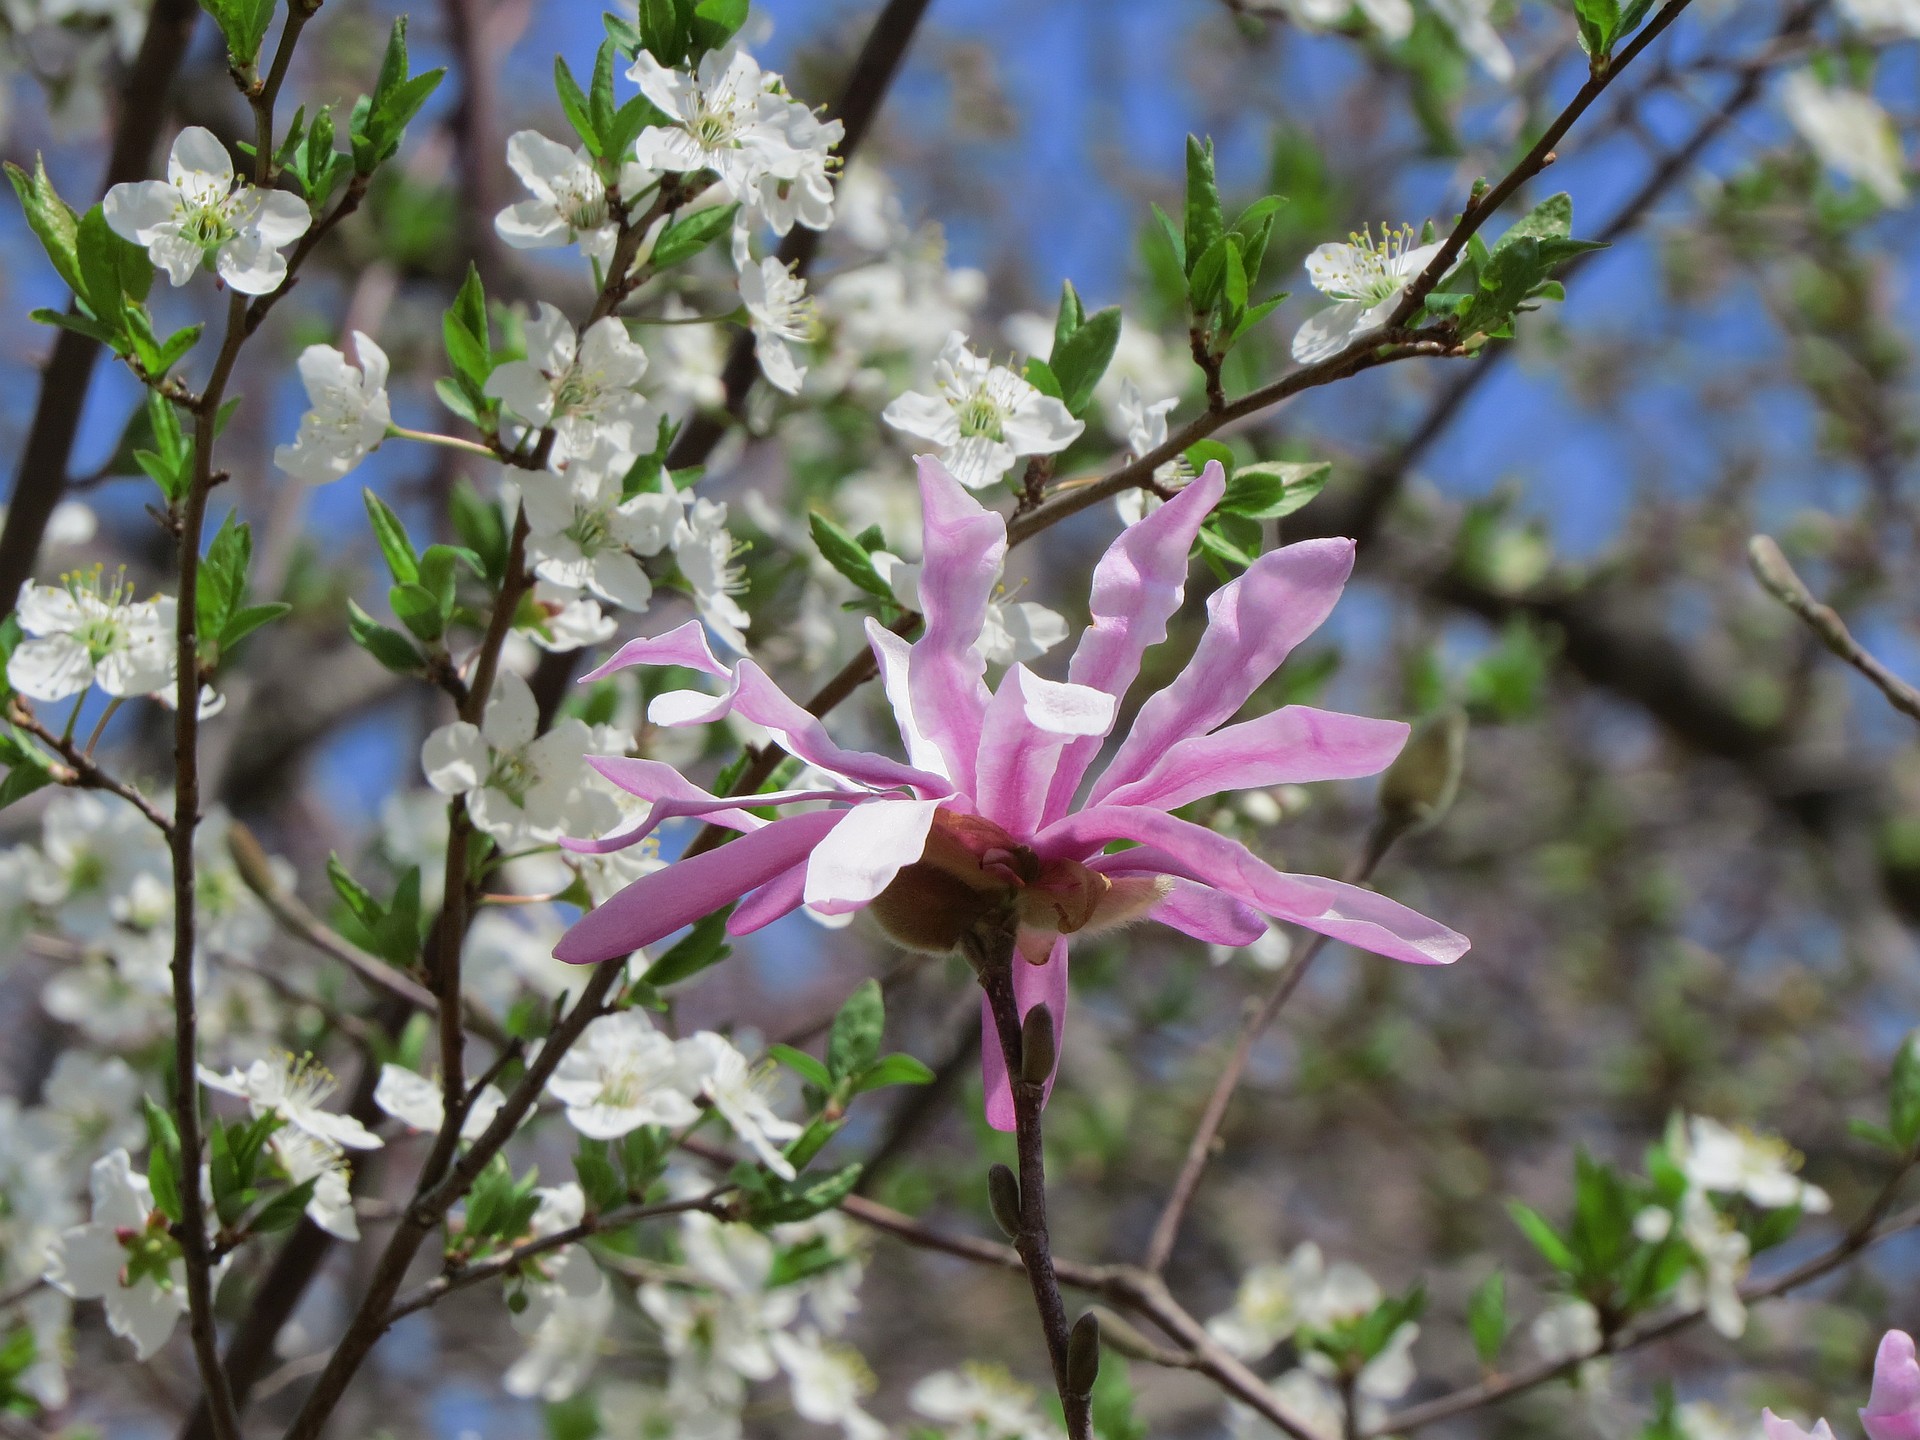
[992, 955]
[451, 442]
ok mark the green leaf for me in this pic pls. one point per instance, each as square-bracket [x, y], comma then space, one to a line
[1255, 314]
[164, 1160]
[895, 1069]
[854, 1042]
[624, 34]
[1270, 489]
[1487, 1317]
[1903, 1094]
[481, 528]
[1599, 22]
[1071, 317]
[80, 324]
[402, 561]
[244, 24]
[1209, 271]
[243, 622]
[27, 774]
[803, 1065]
[1204, 222]
[1082, 359]
[283, 1212]
[389, 647]
[464, 329]
[1544, 1237]
[52, 219]
[1234, 281]
[803, 1202]
[703, 946]
[1551, 219]
[578, 108]
[418, 608]
[380, 121]
[846, 555]
[715, 22]
[691, 234]
[1174, 241]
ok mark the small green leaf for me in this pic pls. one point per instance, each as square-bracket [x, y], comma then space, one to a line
[578, 109]
[1071, 317]
[854, 1043]
[691, 234]
[845, 554]
[803, 1065]
[402, 560]
[703, 946]
[1487, 1318]
[1080, 362]
[1204, 222]
[52, 219]
[1270, 489]
[389, 647]
[895, 1069]
[1544, 1237]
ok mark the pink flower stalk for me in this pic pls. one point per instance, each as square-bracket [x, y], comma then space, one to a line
[982, 815]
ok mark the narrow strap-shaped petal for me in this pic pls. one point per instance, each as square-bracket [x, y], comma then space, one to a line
[674, 797]
[1293, 745]
[1344, 912]
[1208, 914]
[1031, 985]
[775, 900]
[684, 645]
[1253, 623]
[1137, 586]
[1893, 1409]
[964, 547]
[656, 905]
[801, 734]
[859, 860]
[895, 657]
[1028, 722]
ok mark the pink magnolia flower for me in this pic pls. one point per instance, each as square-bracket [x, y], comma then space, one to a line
[982, 813]
[1892, 1410]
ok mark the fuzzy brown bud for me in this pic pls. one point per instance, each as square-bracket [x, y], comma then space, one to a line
[1003, 1198]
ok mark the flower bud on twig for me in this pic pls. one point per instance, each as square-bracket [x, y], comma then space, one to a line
[1083, 1354]
[1003, 1198]
[1037, 1049]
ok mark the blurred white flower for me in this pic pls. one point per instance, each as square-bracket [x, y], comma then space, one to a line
[828, 1381]
[348, 412]
[416, 1102]
[89, 630]
[1726, 1161]
[620, 1075]
[1849, 133]
[721, 1074]
[1276, 1299]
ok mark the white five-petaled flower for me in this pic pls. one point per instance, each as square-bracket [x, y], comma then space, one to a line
[1274, 1300]
[738, 1092]
[622, 1074]
[799, 189]
[1367, 277]
[294, 1088]
[89, 630]
[979, 1401]
[984, 416]
[581, 385]
[1146, 429]
[583, 534]
[415, 1102]
[828, 1381]
[570, 204]
[781, 314]
[125, 1257]
[348, 414]
[1724, 1161]
[199, 210]
[521, 785]
[1849, 133]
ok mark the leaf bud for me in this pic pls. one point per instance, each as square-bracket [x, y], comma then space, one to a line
[1420, 785]
[1083, 1354]
[1003, 1198]
[1037, 1048]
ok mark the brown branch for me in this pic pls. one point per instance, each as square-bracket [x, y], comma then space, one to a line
[81, 770]
[40, 478]
[1771, 569]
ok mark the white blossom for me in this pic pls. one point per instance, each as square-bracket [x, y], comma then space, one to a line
[293, 1088]
[722, 1331]
[521, 786]
[704, 551]
[200, 210]
[982, 416]
[94, 850]
[1722, 1254]
[91, 1104]
[561, 1353]
[622, 1074]
[979, 1402]
[1849, 133]
[125, 1257]
[416, 1102]
[1726, 1161]
[348, 414]
[570, 621]
[781, 314]
[582, 533]
[828, 1382]
[570, 204]
[580, 384]
[1883, 17]
[723, 1076]
[1473, 28]
[1013, 632]
[554, 1277]
[1274, 1300]
[1367, 277]
[303, 1156]
[89, 630]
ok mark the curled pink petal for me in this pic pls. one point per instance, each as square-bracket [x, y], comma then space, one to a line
[1293, 745]
[1032, 984]
[1137, 586]
[1253, 623]
[1208, 914]
[1893, 1409]
[1360, 917]
[684, 645]
[965, 545]
[1028, 722]
[656, 905]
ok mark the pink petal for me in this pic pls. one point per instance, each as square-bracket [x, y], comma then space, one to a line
[1293, 745]
[1031, 985]
[1344, 912]
[1893, 1409]
[862, 856]
[779, 897]
[656, 905]
[799, 733]
[684, 645]
[1776, 1428]
[1207, 914]
[964, 546]
[1028, 722]
[1252, 625]
[1137, 586]
[894, 656]
[675, 797]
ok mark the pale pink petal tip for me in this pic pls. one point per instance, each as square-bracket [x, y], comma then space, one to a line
[1893, 1410]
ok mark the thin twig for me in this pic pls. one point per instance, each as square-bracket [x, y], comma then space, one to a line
[82, 771]
[1772, 570]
